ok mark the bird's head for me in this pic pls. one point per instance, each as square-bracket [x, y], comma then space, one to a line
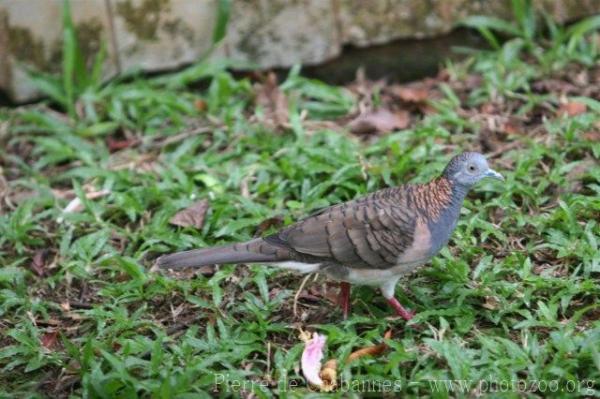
[468, 168]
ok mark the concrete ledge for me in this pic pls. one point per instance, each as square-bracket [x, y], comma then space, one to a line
[154, 35]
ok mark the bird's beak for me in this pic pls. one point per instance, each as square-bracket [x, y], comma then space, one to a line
[493, 174]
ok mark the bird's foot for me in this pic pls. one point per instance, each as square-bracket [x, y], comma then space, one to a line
[401, 310]
[344, 298]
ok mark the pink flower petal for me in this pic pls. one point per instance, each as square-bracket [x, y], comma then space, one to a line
[311, 359]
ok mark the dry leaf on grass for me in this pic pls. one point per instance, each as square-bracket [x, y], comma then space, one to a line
[115, 144]
[416, 96]
[39, 261]
[572, 108]
[379, 121]
[49, 339]
[511, 127]
[191, 216]
[554, 86]
[593, 136]
[200, 105]
[374, 350]
[273, 102]
[491, 302]
[488, 108]
[414, 93]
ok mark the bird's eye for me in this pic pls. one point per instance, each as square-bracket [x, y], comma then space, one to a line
[472, 168]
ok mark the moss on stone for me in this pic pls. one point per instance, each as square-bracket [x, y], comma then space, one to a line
[26, 48]
[144, 20]
[89, 36]
[31, 50]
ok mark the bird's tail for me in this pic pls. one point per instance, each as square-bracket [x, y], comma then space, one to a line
[257, 250]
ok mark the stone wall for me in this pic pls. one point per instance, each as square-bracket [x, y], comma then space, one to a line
[154, 35]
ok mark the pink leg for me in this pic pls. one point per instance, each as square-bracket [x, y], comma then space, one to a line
[344, 298]
[400, 310]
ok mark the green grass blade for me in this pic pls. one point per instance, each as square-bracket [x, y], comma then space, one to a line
[221, 20]
[69, 58]
[577, 31]
[48, 85]
[524, 13]
[95, 80]
[491, 23]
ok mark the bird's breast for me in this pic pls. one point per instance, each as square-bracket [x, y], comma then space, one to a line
[420, 250]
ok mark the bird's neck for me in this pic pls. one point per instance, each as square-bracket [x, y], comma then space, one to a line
[440, 198]
[455, 194]
[459, 192]
[442, 224]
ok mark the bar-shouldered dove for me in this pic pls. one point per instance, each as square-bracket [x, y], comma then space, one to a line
[372, 240]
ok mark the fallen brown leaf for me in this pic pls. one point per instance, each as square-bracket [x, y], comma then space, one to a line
[414, 93]
[488, 108]
[510, 127]
[114, 144]
[379, 121]
[592, 136]
[307, 296]
[273, 102]
[38, 263]
[572, 108]
[374, 350]
[200, 105]
[556, 86]
[328, 290]
[192, 215]
[49, 339]
[426, 109]
[443, 75]
[328, 375]
[491, 302]
[329, 293]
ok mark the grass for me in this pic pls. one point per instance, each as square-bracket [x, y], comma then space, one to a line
[510, 307]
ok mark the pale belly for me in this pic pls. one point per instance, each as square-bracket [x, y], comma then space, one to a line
[365, 276]
[355, 276]
[379, 276]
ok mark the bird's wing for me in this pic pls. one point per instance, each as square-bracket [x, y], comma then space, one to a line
[371, 232]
